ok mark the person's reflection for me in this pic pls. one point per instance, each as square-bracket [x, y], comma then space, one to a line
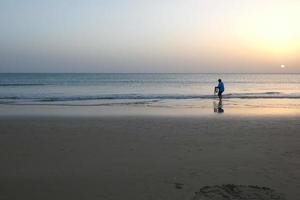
[218, 107]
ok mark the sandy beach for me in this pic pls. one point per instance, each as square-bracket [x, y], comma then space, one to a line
[149, 100]
[146, 157]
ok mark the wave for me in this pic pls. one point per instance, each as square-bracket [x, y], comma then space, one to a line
[21, 84]
[266, 95]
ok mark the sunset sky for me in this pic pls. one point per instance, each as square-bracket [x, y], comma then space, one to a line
[150, 36]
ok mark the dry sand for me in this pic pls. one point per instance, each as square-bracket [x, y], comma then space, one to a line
[137, 158]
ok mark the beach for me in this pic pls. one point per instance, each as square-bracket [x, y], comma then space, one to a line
[149, 136]
[149, 100]
[146, 157]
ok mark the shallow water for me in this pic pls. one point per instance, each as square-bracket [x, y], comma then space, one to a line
[151, 90]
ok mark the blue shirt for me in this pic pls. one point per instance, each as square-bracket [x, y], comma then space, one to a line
[221, 86]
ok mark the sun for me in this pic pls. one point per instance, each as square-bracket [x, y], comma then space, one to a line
[282, 66]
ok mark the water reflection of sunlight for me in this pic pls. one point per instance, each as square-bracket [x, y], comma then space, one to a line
[259, 107]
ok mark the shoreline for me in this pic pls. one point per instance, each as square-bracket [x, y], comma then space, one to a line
[170, 108]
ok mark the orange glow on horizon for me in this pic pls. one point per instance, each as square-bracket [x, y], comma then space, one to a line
[274, 32]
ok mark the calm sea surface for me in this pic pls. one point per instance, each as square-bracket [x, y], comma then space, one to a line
[86, 89]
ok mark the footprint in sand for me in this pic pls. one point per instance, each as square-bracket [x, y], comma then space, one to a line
[236, 192]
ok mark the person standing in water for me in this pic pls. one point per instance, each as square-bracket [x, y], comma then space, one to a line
[220, 89]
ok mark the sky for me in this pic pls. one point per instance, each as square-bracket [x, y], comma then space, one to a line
[146, 36]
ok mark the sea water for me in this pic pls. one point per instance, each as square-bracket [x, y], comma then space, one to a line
[157, 90]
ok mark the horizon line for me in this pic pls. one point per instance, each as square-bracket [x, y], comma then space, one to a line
[149, 72]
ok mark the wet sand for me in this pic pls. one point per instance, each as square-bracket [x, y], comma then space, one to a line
[146, 157]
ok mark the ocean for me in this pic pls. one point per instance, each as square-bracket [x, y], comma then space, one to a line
[161, 90]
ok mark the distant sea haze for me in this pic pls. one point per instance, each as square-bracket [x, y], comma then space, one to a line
[83, 88]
